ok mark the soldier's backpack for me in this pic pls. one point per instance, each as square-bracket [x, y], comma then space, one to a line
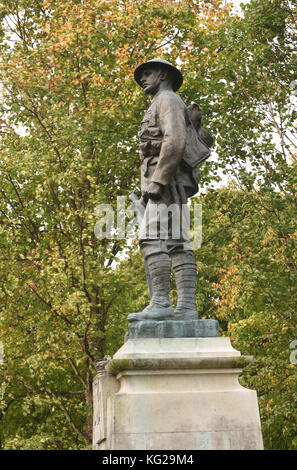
[198, 143]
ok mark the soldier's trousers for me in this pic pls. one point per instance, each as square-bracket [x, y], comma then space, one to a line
[164, 237]
[165, 225]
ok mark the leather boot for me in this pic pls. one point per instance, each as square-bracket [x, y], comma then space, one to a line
[160, 307]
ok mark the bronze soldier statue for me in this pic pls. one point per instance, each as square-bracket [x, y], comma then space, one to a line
[172, 143]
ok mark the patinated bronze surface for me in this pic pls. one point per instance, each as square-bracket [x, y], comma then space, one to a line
[172, 144]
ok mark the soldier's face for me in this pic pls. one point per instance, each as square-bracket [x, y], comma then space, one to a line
[150, 80]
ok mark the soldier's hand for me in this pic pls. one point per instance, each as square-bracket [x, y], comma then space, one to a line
[155, 191]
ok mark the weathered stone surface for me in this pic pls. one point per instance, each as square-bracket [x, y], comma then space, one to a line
[173, 329]
[119, 365]
[176, 347]
[179, 393]
[105, 386]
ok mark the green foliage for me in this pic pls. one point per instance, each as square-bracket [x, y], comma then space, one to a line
[70, 112]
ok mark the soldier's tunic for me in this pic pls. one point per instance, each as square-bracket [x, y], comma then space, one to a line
[165, 152]
[164, 126]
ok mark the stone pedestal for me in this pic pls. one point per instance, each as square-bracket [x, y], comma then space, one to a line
[175, 394]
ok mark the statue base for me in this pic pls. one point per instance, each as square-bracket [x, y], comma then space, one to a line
[175, 394]
[173, 329]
